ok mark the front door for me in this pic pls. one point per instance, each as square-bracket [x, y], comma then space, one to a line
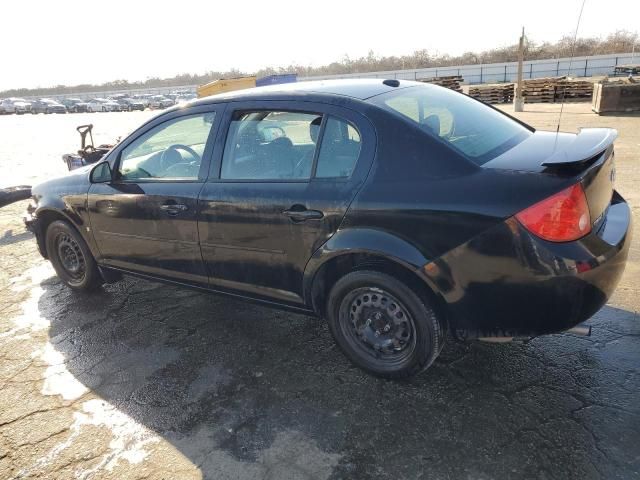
[145, 220]
[282, 182]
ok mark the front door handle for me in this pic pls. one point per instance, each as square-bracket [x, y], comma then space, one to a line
[173, 208]
[302, 214]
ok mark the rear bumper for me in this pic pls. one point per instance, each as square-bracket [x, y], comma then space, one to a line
[507, 282]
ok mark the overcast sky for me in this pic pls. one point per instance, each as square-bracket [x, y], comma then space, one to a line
[44, 43]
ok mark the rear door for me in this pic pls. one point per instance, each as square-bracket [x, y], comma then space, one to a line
[283, 176]
[145, 220]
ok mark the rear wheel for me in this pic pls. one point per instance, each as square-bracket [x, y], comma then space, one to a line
[382, 325]
[71, 257]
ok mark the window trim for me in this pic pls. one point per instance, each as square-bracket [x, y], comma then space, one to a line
[224, 137]
[316, 154]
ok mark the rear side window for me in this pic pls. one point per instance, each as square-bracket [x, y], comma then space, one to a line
[339, 150]
[271, 145]
[475, 130]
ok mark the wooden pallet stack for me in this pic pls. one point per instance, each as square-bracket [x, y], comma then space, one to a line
[537, 90]
[452, 82]
[540, 90]
[573, 90]
[497, 93]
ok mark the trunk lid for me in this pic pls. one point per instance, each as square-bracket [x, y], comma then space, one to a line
[585, 157]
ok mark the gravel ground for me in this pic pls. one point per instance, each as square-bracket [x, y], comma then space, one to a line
[143, 380]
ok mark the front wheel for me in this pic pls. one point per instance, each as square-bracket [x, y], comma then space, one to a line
[71, 257]
[382, 325]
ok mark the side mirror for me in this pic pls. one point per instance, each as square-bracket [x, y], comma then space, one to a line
[101, 173]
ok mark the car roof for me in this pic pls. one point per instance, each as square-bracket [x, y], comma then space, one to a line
[358, 88]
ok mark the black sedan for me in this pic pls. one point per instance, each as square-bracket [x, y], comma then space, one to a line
[397, 211]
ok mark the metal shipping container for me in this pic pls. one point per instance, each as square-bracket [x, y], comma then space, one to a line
[277, 79]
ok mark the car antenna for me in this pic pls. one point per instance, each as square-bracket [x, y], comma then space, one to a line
[564, 88]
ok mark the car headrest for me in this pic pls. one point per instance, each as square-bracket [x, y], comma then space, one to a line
[314, 129]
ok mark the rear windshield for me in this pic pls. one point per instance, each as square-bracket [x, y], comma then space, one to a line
[475, 130]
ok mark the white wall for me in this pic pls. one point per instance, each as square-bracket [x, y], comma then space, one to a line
[506, 72]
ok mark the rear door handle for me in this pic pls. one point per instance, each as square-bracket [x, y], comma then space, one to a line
[173, 208]
[299, 215]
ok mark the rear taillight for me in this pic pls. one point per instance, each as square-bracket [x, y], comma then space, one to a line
[562, 217]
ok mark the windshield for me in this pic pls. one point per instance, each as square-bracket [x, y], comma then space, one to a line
[475, 130]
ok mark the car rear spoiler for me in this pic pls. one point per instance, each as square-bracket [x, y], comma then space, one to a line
[589, 143]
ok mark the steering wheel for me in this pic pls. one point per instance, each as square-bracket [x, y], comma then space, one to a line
[166, 161]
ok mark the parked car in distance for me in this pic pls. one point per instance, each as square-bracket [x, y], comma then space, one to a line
[103, 105]
[15, 105]
[395, 210]
[172, 96]
[182, 100]
[122, 107]
[130, 104]
[160, 102]
[47, 105]
[75, 105]
[142, 98]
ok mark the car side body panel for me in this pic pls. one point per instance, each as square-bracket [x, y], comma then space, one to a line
[64, 197]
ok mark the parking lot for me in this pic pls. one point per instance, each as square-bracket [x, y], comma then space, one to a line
[148, 381]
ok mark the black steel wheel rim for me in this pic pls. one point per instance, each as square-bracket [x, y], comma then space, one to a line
[377, 325]
[71, 257]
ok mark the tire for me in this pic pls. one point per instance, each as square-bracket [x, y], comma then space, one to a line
[382, 325]
[78, 269]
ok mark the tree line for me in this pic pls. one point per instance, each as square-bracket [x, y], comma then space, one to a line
[618, 42]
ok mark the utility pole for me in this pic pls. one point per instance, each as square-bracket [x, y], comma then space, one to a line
[518, 99]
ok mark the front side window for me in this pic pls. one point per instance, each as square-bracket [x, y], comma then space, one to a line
[477, 131]
[271, 145]
[172, 150]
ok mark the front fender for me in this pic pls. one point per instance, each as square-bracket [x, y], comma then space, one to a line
[64, 198]
[363, 240]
